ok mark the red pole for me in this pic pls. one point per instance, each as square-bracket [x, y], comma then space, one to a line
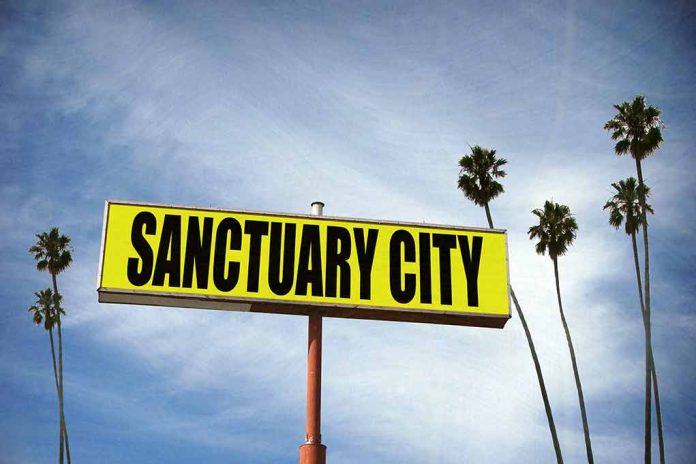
[313, 452]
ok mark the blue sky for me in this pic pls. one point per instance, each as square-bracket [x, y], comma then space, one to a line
[367, 107]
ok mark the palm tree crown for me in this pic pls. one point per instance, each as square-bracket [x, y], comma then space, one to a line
[624, 206]
[478, 173]
[556, 230]
[52, 251]
[637, 128]
[46, 308]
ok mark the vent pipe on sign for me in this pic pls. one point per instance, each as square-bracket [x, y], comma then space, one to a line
[318, 208]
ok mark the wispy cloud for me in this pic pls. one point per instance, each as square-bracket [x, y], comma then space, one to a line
[270, 107]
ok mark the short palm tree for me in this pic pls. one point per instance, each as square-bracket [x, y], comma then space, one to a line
[556, 231]
[625, 210]
[477, 179]
[637, 128]
[52, 252]
[45, 311]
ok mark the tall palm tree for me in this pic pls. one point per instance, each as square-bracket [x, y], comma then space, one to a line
[477, 179]
[556, 231]
[45, 311]
[52, 252]
[624, 209]
[637, 130]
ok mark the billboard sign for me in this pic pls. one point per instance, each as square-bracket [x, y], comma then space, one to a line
[299, 264]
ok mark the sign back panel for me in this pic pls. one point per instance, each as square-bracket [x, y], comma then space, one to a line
[300, 264]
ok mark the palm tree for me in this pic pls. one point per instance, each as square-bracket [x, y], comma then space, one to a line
[624, 209]
[637, 130]
[45, 310]
[556, 231]
[477, 179]
[52, 253]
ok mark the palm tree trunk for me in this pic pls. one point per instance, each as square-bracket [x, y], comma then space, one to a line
[55, 377]
[537, 366]
[540, 378]
[53, 358]
[649, 355]
[581, 399]
[658, 413]
[488, 216]
[648, 338]
[67, 442]
[63, 427]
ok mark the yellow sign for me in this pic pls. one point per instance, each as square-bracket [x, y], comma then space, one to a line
[296, 264]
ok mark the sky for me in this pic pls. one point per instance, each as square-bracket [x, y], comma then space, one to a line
[366, 106]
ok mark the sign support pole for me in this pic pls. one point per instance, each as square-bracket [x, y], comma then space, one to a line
[313, 451]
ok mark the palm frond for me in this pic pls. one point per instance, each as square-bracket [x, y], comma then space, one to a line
[478, 173]
[637, 128]
[52, 251]
[624, 205]
[46, 308]
[556, 229]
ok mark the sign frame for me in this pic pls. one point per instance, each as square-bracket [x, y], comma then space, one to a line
[261, 305]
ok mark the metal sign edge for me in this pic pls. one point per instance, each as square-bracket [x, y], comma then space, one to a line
[303, 308]
[309, 216]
